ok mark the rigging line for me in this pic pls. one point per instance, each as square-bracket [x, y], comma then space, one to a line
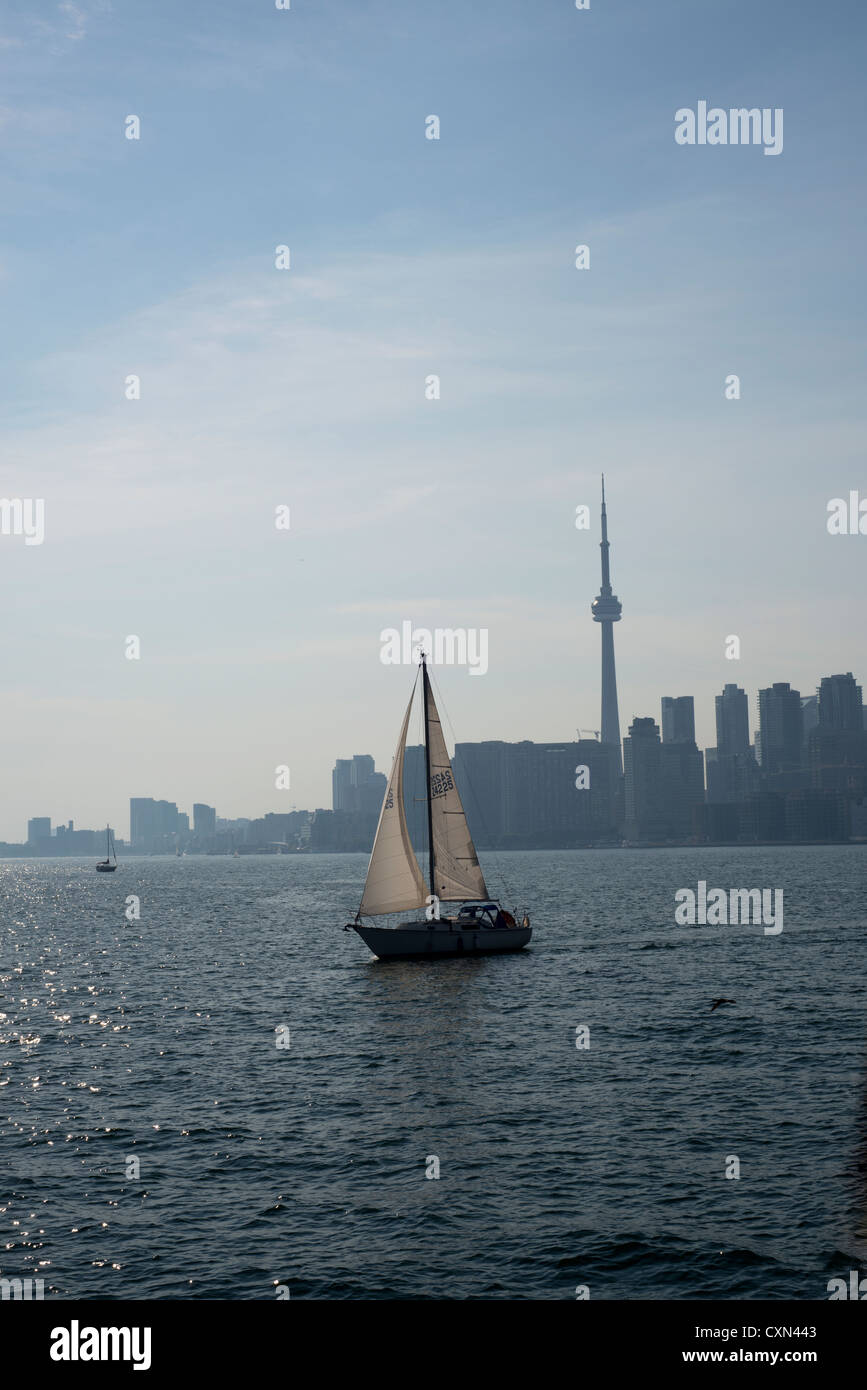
[444, 714]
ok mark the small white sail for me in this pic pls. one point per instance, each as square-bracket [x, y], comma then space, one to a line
[457, 874]
[394, 880]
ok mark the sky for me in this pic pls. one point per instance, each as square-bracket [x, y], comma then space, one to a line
[305, 387]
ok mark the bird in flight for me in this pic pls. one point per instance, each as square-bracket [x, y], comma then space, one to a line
[716, 1003]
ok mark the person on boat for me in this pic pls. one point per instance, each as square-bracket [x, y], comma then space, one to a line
[505, 919]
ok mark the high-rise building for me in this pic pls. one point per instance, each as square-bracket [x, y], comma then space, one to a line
[482, 774]
[642, 758]
[837, 744]
[682, 775]
[606, 609]
[780, 729]
[678, 719]
[204, 819]
[150, 822]
[341, 781]
[363, 767]
[537, 794]
[570, 791]
[356, 785]
[732, 720]
[732, 771]
[840, 703]
[664, 781]
[39, 828]
[809, 713]
[142, 819]
[369, 794]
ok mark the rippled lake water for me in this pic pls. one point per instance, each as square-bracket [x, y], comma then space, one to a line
[305, 1166]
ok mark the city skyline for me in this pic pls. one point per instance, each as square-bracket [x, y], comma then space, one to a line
[789, 717]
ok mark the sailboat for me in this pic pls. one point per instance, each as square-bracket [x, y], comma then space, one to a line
[105, 865]
[395, 884]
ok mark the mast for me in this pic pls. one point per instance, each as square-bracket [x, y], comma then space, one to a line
[430, 838]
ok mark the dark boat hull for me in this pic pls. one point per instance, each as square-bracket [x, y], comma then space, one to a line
[422, 942]
[105, 868]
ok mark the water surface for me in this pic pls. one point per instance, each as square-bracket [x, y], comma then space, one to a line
[155, 1040]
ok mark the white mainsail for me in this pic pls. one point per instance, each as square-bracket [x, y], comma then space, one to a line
[457, 874]
[394, 881]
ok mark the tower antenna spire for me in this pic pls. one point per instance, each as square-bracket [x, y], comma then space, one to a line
[606, 609]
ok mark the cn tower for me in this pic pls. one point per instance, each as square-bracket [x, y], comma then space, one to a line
[606, 610]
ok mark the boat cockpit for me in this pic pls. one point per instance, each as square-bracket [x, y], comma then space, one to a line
[482, 915]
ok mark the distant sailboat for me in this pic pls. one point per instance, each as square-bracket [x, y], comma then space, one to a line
[105, 865]
[394, 878]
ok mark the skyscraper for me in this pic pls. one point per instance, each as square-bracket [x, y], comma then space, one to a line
[341, 780]
[151, 821]
[732, 720]
[840, 703]
[204, 819]
[606, 609]
[809, 719]
[363, 767]
[837, 745]
[642, 752]
[732, 771]
[481, 770]
[356, 785]
[678, 719]
[527, 794]
[780, 728]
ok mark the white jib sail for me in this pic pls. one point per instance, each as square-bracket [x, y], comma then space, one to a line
[457, 874]
[394, 880]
